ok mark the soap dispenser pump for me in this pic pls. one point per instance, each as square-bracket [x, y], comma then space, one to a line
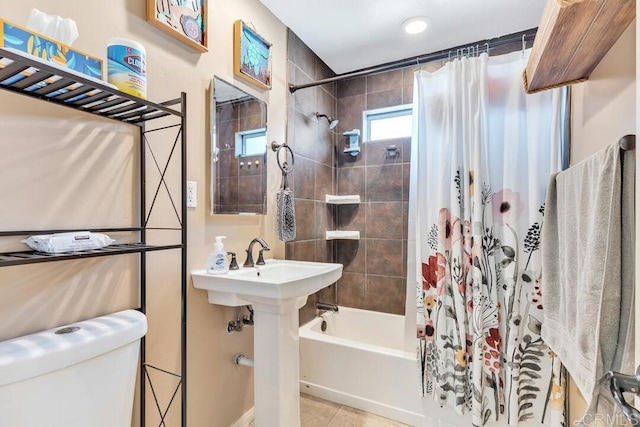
[217, 262]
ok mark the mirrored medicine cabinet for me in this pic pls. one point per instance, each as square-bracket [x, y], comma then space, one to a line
[238, 151]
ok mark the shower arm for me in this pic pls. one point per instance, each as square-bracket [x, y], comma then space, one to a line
[332, 122]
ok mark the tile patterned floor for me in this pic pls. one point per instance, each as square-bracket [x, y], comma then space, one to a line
[316, 412]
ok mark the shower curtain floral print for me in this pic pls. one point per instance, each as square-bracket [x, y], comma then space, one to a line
[479, 298]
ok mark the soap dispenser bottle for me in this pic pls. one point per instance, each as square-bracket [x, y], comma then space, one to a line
[217, 262]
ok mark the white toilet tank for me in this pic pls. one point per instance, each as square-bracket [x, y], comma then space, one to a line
[81, 375]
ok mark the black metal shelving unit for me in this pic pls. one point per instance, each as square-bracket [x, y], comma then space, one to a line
[40, 80]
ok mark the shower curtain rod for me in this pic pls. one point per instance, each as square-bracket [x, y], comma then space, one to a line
[521, 37]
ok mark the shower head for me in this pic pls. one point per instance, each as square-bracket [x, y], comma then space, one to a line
[332, 122]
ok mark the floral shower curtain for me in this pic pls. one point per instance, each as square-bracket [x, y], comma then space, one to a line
[482, 155]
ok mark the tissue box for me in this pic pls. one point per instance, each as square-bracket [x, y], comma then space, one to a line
[22, 39]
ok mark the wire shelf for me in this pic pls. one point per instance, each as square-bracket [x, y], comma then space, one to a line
[33, 257]
[39, 79]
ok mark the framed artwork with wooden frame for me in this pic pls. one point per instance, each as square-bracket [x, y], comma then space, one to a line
[184, 20]
[251, 56]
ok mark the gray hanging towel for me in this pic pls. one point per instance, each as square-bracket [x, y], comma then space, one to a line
[587, 283]
[286, 215]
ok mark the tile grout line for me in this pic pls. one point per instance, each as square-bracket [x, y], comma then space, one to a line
[334, 415]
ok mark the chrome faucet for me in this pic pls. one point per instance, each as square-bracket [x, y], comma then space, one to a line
[249, 261]
[322, 307]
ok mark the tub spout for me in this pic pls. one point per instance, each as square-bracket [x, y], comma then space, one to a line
[322, 307]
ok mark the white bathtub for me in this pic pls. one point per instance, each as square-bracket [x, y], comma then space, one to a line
[359, 362]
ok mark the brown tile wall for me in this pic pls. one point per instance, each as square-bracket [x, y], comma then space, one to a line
[314, 170]
[375, 271]
[239, 188]
[375, 266]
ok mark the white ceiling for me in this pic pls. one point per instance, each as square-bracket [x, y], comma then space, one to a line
[353, 34]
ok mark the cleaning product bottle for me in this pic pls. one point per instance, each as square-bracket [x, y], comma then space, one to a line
[217, 262]
[127, 66]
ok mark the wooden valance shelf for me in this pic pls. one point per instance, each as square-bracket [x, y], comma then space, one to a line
[573, 37]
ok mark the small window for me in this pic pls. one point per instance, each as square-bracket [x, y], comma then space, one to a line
[251, 142]
[388, 123]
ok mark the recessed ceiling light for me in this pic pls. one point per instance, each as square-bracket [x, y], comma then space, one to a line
[415, 25]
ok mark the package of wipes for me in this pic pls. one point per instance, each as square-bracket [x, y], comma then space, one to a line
[68, 242]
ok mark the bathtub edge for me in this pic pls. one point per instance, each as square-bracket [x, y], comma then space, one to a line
[367, 405]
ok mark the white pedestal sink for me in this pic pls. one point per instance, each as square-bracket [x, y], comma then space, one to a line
[276, 291]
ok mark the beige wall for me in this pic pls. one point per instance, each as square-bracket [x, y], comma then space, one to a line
[603, 110]
[63, 169]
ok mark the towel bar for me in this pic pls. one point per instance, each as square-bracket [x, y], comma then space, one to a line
[627, 142]
[621, 383]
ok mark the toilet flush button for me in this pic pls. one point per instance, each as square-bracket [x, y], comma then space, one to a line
[67, 330]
